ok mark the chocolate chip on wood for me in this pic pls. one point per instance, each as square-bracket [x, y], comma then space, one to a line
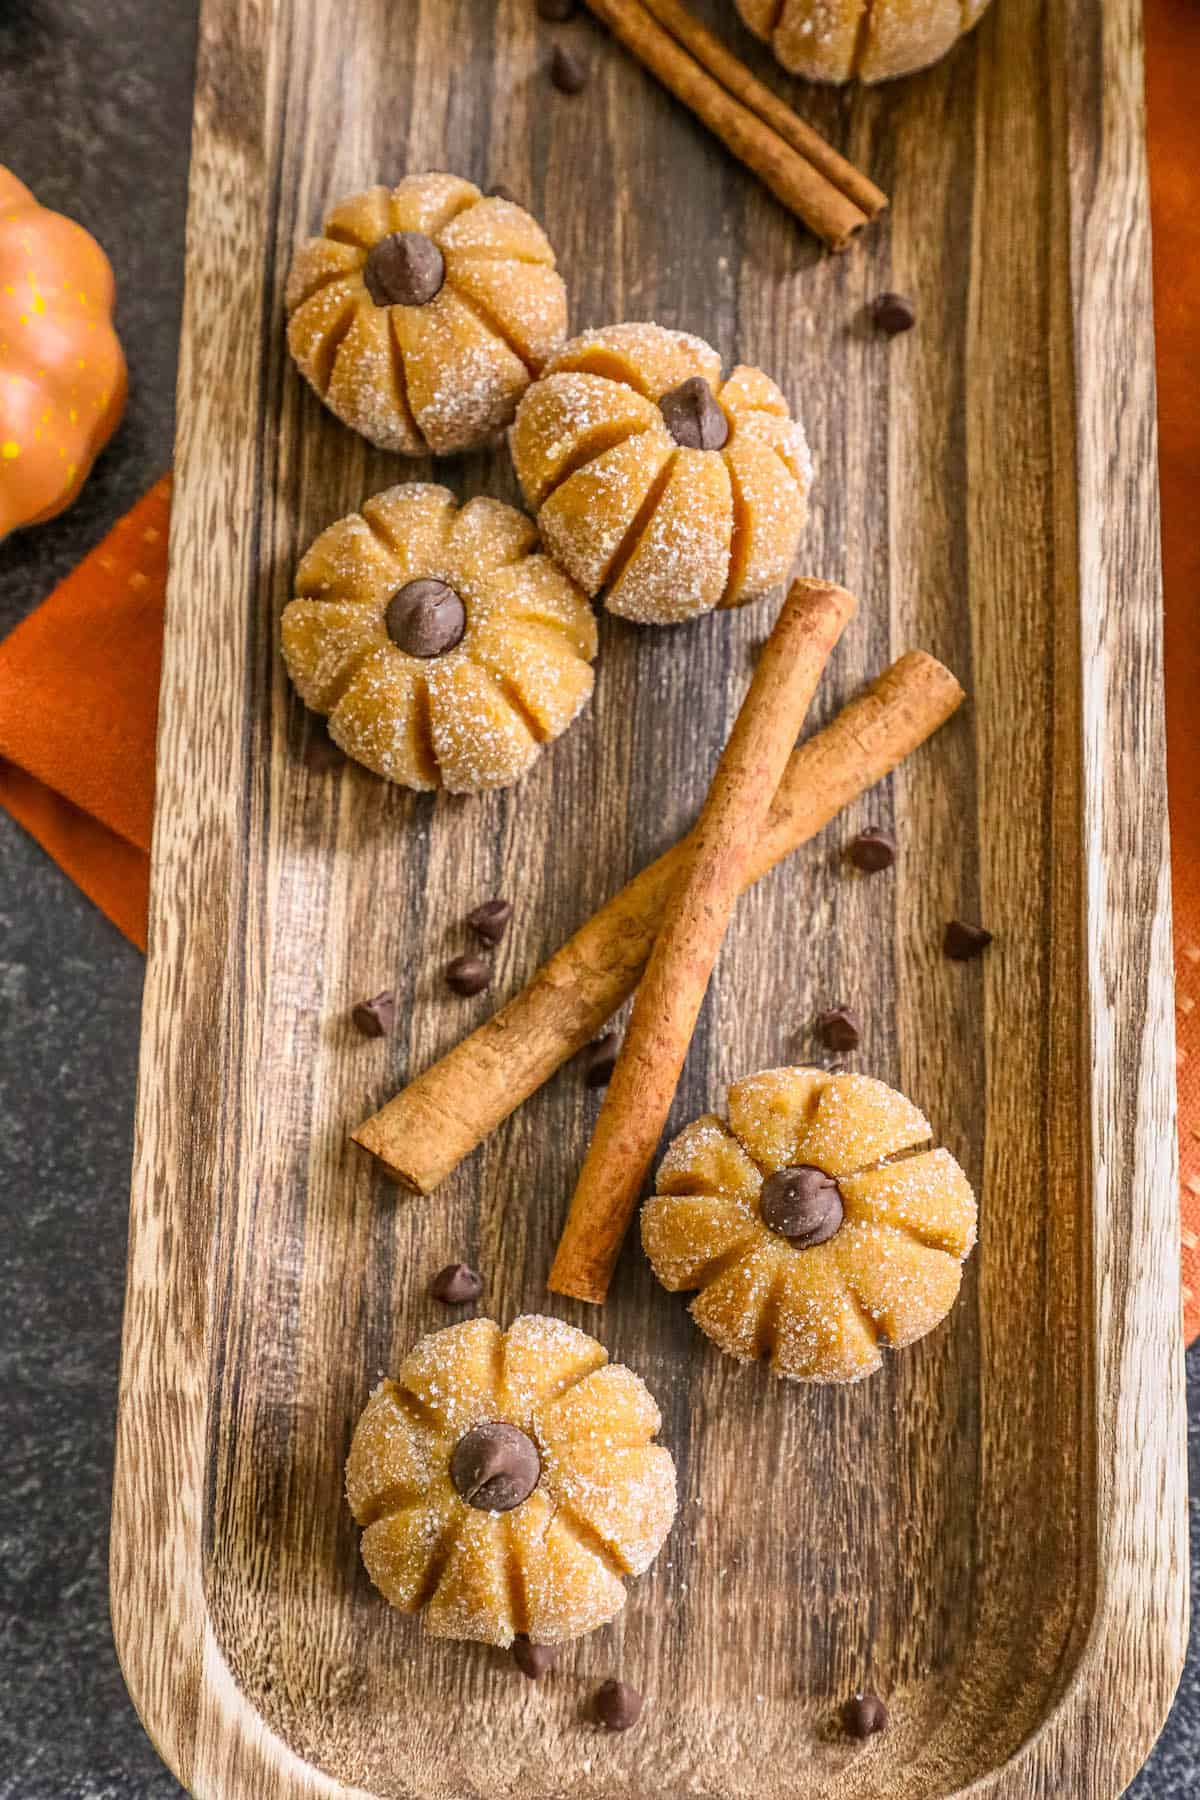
[376, 1018]
[468, 975]
[533, 1660]
[568, 72]
[872, 850]
[892, 314]
[555, 12]
[457, 1284]
[863, 1715]
[962, 941]
[490, 920]
[618, 1706]
[839, 1028]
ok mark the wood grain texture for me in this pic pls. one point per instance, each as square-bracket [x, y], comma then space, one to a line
[991, 1530]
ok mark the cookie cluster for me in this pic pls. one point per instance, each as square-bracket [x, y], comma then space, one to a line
[431, 317]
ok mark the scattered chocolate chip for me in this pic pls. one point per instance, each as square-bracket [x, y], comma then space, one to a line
[568, 72]
[802, 1204]
[490, 920]
[601, 1060]
[468, 974]
[500, 192]
[456, 1284]
[617, 1705]
[555, 12]
[839, 1028]
[495, 1466]
[375, 1018]
[872, 850]
[892, 313]
[692, 415]
[962, 941]
[405, 269]
[864, 1714]
[320, 752]
[533, 1660]
[425, 617]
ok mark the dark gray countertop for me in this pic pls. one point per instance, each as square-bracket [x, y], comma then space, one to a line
[95, 101]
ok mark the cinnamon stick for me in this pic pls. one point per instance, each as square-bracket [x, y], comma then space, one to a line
[671, 992]
[421, 1135]
[790, 175]
[733, 75]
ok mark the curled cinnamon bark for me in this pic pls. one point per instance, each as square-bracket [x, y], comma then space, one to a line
[421, 1135]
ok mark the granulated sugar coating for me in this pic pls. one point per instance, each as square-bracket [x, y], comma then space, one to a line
[552, 1567]
[668, 530]
[868, 40]
[444, 375]
[476, 715]
[889, 1273]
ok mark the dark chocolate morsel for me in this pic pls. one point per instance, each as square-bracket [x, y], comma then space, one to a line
[405, 269]
[468, 974]
[533, 1660]
[892, 313]
[601, 1060]
[375, 1018]
[872, 850]
[425, 617]
[555, 12]
[692, 415]
[490, 921]
[864, 1714]
[568, 72]
[802, 1203]
[962, 941]
[839, 1028]
[495, 1466]
[618, 1706]
[456, 1284]
[500, 192]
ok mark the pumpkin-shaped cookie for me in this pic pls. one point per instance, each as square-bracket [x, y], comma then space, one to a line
[810, 1222]
[62, 371]
[656, 480]
[423, 311]
[445, 651]
[871, 40]
[506, 1482]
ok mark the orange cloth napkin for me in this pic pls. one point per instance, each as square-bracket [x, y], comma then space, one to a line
[79, 678]
[1172, 89]
[78, 706]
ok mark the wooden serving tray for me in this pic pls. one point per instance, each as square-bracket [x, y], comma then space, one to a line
[992, 1531]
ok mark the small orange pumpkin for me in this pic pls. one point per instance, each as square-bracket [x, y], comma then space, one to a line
[62, 373]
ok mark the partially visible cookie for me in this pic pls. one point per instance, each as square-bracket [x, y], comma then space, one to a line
[812, 1223]
[423, 311]
[867, 40]
[654, 479]
[444, 648]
